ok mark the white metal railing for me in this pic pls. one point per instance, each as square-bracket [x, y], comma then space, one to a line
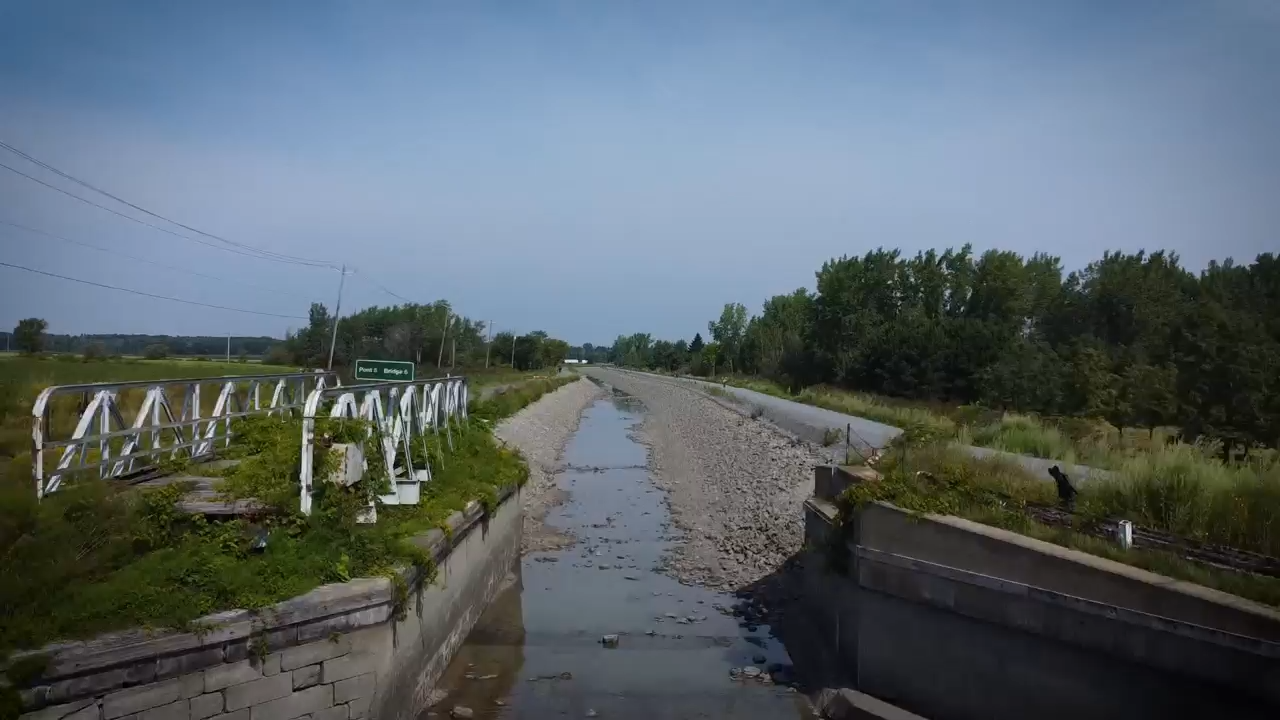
[119, 440]
[401, 413]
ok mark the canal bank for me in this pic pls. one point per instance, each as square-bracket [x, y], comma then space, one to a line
[596, 629]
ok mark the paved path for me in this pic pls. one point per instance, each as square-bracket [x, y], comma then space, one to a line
[812, 423]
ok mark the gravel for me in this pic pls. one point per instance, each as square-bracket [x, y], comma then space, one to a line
[735, 486]
[540, 432]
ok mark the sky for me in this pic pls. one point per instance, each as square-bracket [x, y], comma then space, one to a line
[595, 168]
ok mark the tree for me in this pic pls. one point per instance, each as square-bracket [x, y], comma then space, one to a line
[156, 351]
[95, 351]
[28, 335]
[695, 346]
[729, 329]
[554, 352]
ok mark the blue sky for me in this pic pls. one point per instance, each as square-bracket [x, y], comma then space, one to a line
[595, 168]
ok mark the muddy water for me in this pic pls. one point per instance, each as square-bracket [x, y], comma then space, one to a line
[538, 652]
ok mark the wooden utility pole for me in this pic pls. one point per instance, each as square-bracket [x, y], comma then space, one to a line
[513, 350]
[453, 353]
[337, 313]
[488, 345]
[440, 355]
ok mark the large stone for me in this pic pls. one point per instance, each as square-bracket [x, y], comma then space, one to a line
[347, 666]
[271, 665]
[294, 705]
[305, 677]
[337, 712]
[359, 707]
[217, 678]
[350, 465]
[257, 692]
[316, 652]
[95, 684]
[57, 712]
[88, 712]
[356, 687]
[184, 663]
[144, 697]
[180, 710]
[203, 706]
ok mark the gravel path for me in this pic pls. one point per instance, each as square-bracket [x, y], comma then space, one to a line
[540, 432]
[735, 485]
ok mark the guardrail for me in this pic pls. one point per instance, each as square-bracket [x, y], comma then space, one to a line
[111, 436]
[410, 410]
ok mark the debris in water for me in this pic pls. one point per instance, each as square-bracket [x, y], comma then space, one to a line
[609, 641]
[462, 712]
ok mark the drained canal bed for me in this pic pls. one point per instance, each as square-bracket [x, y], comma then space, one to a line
[673, 651]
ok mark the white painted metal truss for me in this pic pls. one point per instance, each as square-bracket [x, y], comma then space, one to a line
[120, 441]
[400, 414]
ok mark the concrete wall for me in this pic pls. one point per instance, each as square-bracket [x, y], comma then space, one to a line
[951, 619]
[341, 652]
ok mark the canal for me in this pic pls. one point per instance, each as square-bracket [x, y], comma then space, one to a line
[595, 630]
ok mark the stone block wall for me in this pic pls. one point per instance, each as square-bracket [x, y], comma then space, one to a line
[340, 652]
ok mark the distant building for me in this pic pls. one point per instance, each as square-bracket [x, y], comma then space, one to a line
[572, 361]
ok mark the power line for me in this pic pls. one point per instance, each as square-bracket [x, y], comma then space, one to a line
[149, 262]
[152, 225]
[381, 287]
[150, 295]
[266, 254]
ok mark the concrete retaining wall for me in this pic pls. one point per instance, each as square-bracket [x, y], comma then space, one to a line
[340, 652]
[951, 619]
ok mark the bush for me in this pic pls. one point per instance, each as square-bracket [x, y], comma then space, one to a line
[94, 351]
[158, 351]
[278, 355]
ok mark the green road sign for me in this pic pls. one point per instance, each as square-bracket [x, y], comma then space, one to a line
[384, 370]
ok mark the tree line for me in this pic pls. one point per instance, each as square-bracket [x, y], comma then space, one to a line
[1135, 339]
[426, 334]
[29, 336]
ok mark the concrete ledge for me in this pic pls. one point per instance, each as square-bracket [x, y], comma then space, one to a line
[245, 645]
[956, 619]
[846, 704]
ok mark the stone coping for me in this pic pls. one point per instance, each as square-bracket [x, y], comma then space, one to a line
[359, 602]
[828, 512]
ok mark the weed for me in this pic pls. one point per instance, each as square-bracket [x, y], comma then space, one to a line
[831, 436]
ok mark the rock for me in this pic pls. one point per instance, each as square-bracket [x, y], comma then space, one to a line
[566, 675]
[673, 616]
[592, 713]
[630, 577]
[735, 673]
[759, 659]
[609, 641]
[751, 671]
[500, 703]
[462, 712]
[604, 566]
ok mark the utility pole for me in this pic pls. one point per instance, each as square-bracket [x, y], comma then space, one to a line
[440, 355]
[228, 347]
[337, 313]
[488, 345]
[513, 350]
[453, 353]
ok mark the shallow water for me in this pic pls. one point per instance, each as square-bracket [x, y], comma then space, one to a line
[537, 651]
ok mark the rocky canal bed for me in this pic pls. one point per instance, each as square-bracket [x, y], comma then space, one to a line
[608, 621]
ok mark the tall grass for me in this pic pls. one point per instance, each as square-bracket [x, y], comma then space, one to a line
[873, 409]
[1183, 489]
[1024, 435]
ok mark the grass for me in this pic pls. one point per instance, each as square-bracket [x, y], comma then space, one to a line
[508, 401]
[941, 479]
[96, 557]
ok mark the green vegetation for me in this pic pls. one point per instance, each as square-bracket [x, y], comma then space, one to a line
[1164, 494]
[96, 557]
[1132, 340]
[507, 401]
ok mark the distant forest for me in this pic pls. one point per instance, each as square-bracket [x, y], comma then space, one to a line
[200, 345]
[1135, 339]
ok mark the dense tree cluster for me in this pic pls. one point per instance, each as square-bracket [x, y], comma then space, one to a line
[32, 330]
[432, 335]
[1132, 338]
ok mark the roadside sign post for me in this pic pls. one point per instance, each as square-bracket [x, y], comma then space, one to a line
[382, 370]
